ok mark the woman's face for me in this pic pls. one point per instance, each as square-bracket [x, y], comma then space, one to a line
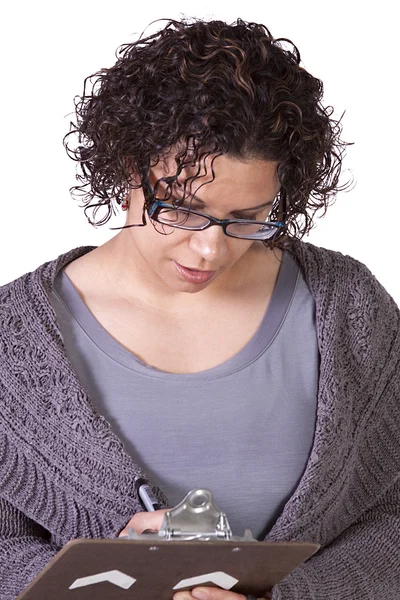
[238, 187]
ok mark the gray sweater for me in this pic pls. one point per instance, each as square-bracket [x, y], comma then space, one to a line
[64, 474]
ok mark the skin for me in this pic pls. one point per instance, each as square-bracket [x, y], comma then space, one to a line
[138, 262]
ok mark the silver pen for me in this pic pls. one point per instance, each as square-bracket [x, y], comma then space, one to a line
[146, 496]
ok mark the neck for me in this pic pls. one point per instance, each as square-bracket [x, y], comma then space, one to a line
[120, 265]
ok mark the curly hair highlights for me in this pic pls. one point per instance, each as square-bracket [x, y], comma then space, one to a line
[208, 88]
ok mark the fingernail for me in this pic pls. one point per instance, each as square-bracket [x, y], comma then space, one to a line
[200, 594]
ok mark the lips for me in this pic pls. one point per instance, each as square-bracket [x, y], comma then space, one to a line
[193, 275]
[195, 270]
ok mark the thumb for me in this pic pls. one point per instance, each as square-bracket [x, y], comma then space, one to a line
[143, 521]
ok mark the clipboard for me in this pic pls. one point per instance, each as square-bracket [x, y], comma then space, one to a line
[194, 546]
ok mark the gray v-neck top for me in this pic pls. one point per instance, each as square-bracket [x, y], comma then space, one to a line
[247, 424]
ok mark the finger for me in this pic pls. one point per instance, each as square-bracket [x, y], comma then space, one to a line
[208, 593]
[211, 593]
[144, 520]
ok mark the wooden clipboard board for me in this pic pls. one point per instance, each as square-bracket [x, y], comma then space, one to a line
[157, 567]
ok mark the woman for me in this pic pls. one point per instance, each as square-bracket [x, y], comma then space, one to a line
[205, 345]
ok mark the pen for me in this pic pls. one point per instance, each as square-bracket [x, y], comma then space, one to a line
[146, 496]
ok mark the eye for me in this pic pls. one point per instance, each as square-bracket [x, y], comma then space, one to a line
[186, 204]
[247, 217]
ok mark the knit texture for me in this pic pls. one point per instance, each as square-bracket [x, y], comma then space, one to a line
[64, 474]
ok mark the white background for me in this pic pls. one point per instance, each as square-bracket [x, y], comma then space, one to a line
[48, 48]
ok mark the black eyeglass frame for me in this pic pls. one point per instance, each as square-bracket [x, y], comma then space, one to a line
[157, 205]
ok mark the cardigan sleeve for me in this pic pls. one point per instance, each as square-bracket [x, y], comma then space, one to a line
[25, 549]
[363, 561]
[361, 564]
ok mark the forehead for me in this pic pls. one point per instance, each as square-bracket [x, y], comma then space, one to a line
[225, 175]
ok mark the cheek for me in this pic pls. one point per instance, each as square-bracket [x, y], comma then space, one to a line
[155, 244]
[238, 248]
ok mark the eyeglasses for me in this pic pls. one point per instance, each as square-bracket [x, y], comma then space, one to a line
[192, 220]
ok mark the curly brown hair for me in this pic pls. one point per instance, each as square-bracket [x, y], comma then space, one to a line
[208, 88]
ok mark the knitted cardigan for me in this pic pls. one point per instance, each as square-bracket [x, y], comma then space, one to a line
[64, 473]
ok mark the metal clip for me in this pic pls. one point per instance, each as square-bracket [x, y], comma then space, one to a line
[195, 518]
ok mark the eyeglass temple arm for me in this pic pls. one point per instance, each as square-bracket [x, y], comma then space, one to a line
[282, 209]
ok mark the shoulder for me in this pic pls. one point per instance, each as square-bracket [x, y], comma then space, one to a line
[353, 309]
[330, 271]
[34, 286]
[316, 259]
[27, 321]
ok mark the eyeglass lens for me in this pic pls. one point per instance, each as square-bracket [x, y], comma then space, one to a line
[179, 217]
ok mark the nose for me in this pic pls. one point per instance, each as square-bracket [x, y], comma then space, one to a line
[209, 244]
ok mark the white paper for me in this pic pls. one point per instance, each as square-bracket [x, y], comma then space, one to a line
[116, 577]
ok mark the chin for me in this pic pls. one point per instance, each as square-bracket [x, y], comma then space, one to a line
[189, 288]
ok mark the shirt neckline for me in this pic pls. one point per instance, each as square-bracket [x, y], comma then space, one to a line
[275, 314]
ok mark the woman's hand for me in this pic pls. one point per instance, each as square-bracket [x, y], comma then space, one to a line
[210, 593]
[145, 520]
[153, 520]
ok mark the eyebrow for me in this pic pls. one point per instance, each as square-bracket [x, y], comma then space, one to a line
[240, 210]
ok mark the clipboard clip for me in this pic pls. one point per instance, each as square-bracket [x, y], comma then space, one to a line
[196, 517]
